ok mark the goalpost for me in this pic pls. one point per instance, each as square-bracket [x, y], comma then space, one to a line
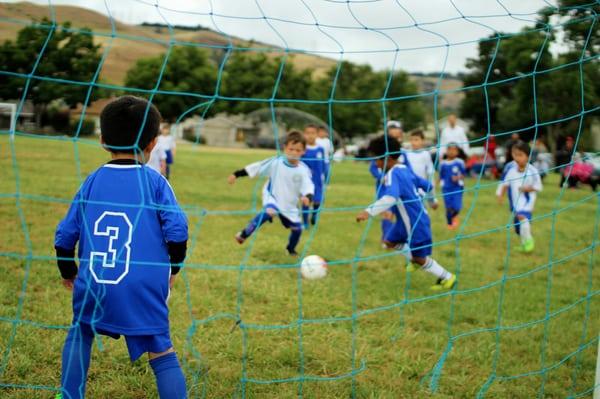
[9, 109]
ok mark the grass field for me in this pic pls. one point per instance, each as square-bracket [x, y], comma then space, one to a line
[546, 303]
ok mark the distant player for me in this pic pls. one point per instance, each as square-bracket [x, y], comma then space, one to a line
[132, 236]
[324, 141]
[420, 162]
[158, 158]
[314, 158]
[167, 142]
[522, 182]
[289, 182]
[412, 226]
[452, 175]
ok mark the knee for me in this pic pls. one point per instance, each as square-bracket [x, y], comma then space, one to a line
[271, 212]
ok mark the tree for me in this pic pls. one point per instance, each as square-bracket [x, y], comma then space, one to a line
[67, 55]
[188, 72]
[410, 111]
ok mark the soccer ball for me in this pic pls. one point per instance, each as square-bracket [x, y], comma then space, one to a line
[313, 267]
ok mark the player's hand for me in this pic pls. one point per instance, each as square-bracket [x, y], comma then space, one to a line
[305, 201]
[499, 198]
[434, 205]
[525, 189]
[456, 178]
[387, 215]
[69, 283]
[231, 179]
[172, 281]
[362, 216]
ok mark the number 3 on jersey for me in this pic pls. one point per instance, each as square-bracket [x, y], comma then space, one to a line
[109, 264]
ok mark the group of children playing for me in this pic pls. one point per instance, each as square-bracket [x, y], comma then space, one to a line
[126, 223]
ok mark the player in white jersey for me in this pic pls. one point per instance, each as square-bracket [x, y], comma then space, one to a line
[158, 159]
[167, 141]
[324, 141]
[421, 164]
[522, 182]
[289, 182]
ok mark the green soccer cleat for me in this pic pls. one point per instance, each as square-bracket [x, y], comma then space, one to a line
[58, 396]
[410, 268]
[528, 245]
[446, 284]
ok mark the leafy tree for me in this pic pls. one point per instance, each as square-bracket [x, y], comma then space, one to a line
[188, 71]
[67, 55]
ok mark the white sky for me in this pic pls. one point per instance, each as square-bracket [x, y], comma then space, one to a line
[391, 41]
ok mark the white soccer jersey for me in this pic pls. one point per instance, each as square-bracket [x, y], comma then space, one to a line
[157, 155]
[287, 183]
[327, 147]
[513, 179]
[421, 164]
[166, 141]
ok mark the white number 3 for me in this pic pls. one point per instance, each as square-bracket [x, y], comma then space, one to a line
[110, 266]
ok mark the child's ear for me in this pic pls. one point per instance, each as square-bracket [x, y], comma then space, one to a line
[151, 145]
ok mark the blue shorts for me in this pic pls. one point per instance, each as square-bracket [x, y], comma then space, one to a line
[516, 221]
[453, 200]
[137, 345]
[287, 223]
[169, 157]
[421, 249]
[318, 195]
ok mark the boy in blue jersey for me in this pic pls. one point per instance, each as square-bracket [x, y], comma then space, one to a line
[412, 226]
[289, 181]
[132, 236]
[452, 174]
[314, 158]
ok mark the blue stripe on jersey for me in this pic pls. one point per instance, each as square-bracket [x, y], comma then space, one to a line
[123, 216]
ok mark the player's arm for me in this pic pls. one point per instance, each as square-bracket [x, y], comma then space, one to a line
[65, 241]
[375, 171]
[535, 186]
[381, 205]
[252, 170]
[307, 189]
[173, 224]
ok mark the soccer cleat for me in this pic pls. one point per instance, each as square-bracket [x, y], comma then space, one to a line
[410, 268]
[455, 222]
[446, 284]
[305, 226]
[291, 252]
[239, 238]
[528, 245]
[58, 396]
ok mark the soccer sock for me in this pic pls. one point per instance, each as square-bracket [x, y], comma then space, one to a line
[404, 250]
[432, 267]
[293, 240]
[386, 226]
[305, 212]
[169, 377]
[525, 230]
[449, 215]
[260, 219]
[313, 218]
[76, 361]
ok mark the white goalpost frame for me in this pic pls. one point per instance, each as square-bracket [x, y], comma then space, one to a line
[13, 115]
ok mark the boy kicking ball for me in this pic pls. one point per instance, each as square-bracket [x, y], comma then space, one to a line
[412, 225]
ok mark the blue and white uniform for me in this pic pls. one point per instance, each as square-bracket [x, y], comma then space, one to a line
[513, 179]
[412, 224]
[123, 217]
[452, 190]
[314, 158]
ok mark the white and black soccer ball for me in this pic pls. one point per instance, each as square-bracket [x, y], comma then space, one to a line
[313, 267]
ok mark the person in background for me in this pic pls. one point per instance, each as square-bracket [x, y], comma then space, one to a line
[514, 139]
[166, 141]
[453, 133]
[562, 157]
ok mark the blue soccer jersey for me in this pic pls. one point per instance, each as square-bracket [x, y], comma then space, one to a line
[449, 169]
[412, 221]
[123, 216]
[379, 175]
[314, 158]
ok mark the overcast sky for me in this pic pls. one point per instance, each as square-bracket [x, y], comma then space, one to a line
[379, 32]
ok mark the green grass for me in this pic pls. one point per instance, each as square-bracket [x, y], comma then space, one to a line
[400, 330]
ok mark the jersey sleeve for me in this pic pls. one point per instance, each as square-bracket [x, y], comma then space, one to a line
[69, 229]
[260, 168]
[173, 221]
[392, 185]
[463, 169]
[421, 183]
[307, 188]
[375, 171]
[536, 181]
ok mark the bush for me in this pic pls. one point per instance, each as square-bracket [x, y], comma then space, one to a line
[88, 127]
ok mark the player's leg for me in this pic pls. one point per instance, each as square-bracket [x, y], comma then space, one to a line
[76, 361]
[421, 256]
[524, 231]
[295, 234]
[265, 215]
[317, 199]
[170, 380]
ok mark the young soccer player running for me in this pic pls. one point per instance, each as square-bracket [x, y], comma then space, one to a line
[522, 182]
[420, 162]
[324, 141]
[412, 226]
[452, 174]
[132, 236]
[314, 158]
[289, 181]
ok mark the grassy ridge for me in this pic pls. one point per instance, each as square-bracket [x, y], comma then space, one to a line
[400, 330]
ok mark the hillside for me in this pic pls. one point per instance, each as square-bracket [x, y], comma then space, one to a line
[137, 41]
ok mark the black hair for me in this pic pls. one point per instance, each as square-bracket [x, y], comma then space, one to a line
[293, 137]
[417, 133]
[323, 127]
[311, 126]
[384, 145]
[521, 146]
[121, 121]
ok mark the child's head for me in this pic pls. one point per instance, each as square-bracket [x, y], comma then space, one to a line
[520, 153]
[310, 134]
[394, 129]
[294, 146]
[121, 121]
[386, 150]
[323, 132]
[165, 129]
[452, 151]
[416, 139]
